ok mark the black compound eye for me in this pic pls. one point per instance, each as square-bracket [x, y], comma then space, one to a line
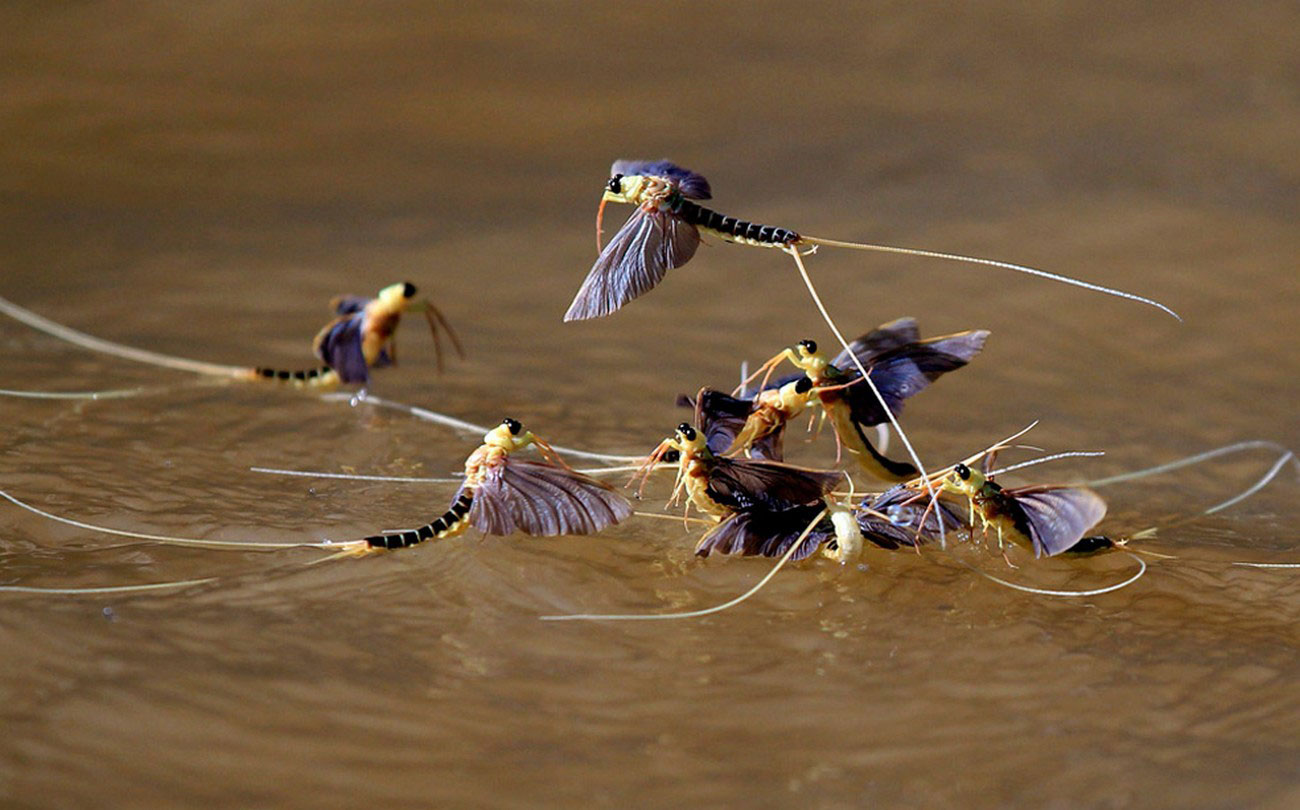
[671, 457]
[963, 472]
[803, 386]
[615, 184]
[683, 427]
[809, 346]
[512, 425]
[689, 434]
[408, 290]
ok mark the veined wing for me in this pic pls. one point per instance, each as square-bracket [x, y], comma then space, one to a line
[1057, 517]
[903, 510]
[767, 534]
[339, 345]
[649, 244]
[881, 339]
[906, 370]
[544, 500]
[745, 483]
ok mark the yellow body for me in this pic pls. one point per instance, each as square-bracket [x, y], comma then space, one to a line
[382, 315]
[848, 534]
[772, 409]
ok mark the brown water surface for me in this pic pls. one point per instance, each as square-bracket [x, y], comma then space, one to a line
[202, 179]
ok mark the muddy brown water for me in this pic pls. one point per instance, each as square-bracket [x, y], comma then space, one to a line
[200, 181]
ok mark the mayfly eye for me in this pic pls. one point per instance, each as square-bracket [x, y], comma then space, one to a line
[803, 386]
[408, 290]
[616, 183]
[512, 425]
[683, 427]
[688, 433]
[809, 346]
[963, 472]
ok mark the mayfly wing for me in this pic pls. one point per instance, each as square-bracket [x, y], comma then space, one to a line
[881, 339]
[348, 304]
[339, 345]
[720, 417]
[692, 186]
[1058, 517]
[744, 483]
[907, 518]
[544, 500]
[767, 534]
[906, 370]
[649, 244]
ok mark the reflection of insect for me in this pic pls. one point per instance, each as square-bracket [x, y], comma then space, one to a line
[720, 486]
[888, 521]
[898, 363]
[362, 337]
[1049, 519]
[664, 231]
[502, 495]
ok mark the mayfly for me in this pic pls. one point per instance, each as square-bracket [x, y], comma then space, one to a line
[664, 232]
[719, 486]
[502, 494]
[899, 365]
[362, 337]
[1049, 519]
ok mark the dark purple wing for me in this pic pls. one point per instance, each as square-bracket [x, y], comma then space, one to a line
[881, 339]
[648, 245]
[348, 304]
[906, 370]
[1057, 517]
[744, 484]
[720, 416]
[339, 345]
[767, 534]
[692, 186]
[544, 500]
[903, 510]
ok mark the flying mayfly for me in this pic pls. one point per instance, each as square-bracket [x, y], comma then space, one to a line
[664, 231]
[502, 494]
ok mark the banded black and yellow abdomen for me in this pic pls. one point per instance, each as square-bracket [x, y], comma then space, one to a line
[732, 229]
[452, 522]
[323, 377]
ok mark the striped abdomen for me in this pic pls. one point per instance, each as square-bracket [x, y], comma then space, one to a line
[310, 378]
[732, 229]
[454, 521]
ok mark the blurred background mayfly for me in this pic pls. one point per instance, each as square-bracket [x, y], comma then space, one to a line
[664, 230]
[361, 337]
[502, 494]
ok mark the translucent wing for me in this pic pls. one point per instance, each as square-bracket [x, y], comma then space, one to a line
[1057, 517]
[881, 339]
[903, 510]
[906, 370]
[690, 184]
[544, 500]
[744, 483]
[767, 534]
[339, 345]
[648, 245]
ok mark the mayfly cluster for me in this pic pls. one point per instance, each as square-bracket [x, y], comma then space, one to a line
[729, 459]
